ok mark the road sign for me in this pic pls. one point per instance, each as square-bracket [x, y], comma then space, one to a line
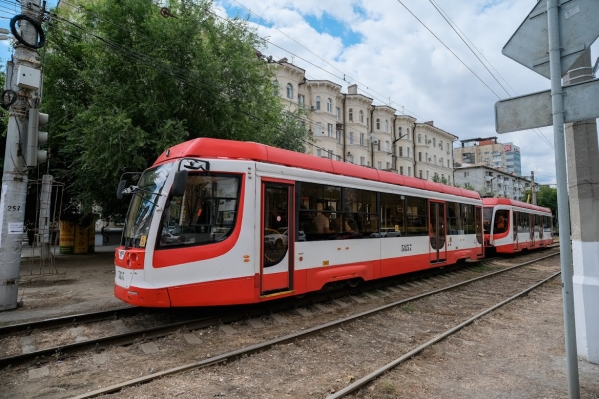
[534, 110]
[529, 45]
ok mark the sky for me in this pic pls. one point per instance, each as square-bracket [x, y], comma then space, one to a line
[392, 50]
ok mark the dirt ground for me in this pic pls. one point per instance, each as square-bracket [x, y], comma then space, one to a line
[517, 352]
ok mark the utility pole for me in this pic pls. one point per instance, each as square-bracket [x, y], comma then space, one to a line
[533, 188]
[23, 85]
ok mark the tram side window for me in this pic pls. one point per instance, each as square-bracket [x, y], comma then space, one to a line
[487, 216]
[206, 213]
[359, 206]
[393, 221]
[416, 216]
[547, 226]
[523, 226]
[319, 216]
[538, 223]
[468, 218]
[501, 221]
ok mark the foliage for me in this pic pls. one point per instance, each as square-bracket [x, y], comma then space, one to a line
[469, 186]
[123, 83]
[546, 197]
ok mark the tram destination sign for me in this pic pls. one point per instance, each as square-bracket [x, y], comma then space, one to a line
[534, 110]
[529, 45]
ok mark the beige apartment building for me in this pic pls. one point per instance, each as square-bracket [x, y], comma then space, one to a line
[486, 152]
[349, 127]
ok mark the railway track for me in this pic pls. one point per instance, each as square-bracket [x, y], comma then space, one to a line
[515, 281]
[209, 317]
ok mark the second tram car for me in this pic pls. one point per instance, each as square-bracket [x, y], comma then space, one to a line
[216, 222]
[512, 226]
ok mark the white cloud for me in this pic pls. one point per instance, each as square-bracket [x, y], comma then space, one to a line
[398, 58]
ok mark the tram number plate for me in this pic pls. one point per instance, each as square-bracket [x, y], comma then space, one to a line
[121, 275]
[406, 248]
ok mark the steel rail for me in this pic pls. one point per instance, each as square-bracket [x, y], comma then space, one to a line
[377, 373]
[236, 354]
[68, 320]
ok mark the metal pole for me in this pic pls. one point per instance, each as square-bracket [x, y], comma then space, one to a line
[14, 178]
[534, 188]
[562, 197]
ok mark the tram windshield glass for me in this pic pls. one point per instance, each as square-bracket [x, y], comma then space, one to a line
[143, 204]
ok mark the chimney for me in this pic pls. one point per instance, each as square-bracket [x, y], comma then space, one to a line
[352, 89]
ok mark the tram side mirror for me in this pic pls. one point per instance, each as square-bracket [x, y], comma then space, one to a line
[180, 183]
[119, 190]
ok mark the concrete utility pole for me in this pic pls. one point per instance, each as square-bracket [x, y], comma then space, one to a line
[583, 181]
[25, 73]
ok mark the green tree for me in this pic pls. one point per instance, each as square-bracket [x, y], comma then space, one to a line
[123, 83]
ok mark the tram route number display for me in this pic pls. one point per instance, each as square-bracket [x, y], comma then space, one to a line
[406, 248]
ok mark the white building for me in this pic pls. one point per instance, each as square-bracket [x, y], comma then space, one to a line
[349, 127]
[490, 182]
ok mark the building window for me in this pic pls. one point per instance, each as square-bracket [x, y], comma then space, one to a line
[408, 133]
[379, 165]
[426, 158]
[420, 174]
[434, 159]
[409, 171]
[378, 124]
[401, 152]
[425, 139]
[386, 125]
[338, 135]
[351, 137]
[289, 90]
[351, 158]
[434, 144]
[448, 163]
[338, 113]
[318, 128]
[401, 170]
[367, 122]
[301, 99]
[387, 146]
[408, 151]
[427, 175]
[388, 165]
[419, 138]
[329, 105]
[361, 116]
[318, 103]
[399, 132]
[362, 160]
[275, 85]
[330, 154]
[330, 129]
[419, 157]
[378, 146]
[448, 148]
[319, 152]
[351, 115]
[362, 139]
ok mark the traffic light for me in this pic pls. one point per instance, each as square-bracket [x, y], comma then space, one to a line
[33, 155]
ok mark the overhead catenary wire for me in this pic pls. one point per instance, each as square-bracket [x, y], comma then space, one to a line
[466, 41]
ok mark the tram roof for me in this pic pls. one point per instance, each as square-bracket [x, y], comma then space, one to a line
[229, 149]
[507, 201]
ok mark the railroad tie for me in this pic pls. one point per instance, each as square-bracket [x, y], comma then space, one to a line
[120, 327]
[27, 344]
[323, 308]
[192, 339]
[358, 299]
[303, 312]
[256, 323]
[278, 319]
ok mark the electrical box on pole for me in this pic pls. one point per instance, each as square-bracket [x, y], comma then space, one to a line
[33, 155]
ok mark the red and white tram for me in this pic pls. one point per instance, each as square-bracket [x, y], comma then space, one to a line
[218, 222]
[512, 226]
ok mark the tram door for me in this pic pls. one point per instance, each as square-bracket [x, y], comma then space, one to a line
[276, 238]
[515, 222]
[478, 223]
[437, 232]
[531, 224]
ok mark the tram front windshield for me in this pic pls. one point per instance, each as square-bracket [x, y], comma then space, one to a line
[487, 216]
[143, 204]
